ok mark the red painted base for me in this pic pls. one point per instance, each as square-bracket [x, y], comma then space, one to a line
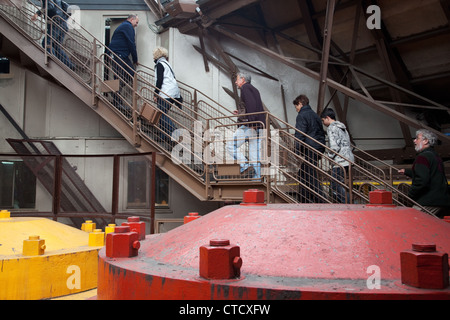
[288, 252]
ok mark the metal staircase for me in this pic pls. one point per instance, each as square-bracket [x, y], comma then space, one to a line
[197, 159]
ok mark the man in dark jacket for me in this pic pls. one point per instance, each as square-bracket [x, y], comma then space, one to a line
[250, 125]
[429, 183]
[311, 135]
[123, 44]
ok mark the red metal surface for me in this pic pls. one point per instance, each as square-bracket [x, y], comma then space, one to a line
[288, 252]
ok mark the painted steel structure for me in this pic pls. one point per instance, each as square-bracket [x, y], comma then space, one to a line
[263, 252]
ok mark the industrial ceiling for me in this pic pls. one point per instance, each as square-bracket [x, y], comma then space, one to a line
[394, 52]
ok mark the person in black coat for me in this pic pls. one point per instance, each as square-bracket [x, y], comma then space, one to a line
[123, 44]
[429, 186]
[309, 132]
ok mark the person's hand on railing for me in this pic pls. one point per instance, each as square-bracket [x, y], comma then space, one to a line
[34, 17]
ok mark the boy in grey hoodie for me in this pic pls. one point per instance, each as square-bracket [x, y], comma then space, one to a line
[339, 140]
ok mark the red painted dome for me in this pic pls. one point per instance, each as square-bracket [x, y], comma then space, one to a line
[288, 251]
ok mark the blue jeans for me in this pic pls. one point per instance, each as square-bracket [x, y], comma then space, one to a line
[338, 191]
[56, 32]
[124, 71]
[165, 123]
[254, 143]
[308, 176]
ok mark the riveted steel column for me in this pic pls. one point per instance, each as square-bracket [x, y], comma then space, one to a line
[325, 54]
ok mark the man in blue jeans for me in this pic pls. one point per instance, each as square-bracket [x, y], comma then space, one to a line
[56, 29]
[250, 124]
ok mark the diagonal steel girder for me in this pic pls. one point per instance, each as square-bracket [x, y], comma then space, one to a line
[333, 84]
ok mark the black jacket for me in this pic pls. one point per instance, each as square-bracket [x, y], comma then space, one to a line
[429, 184]
[123, 42]
[251, 98]
[309, 123]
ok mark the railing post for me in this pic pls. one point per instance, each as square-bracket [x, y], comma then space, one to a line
[136, 137]
[93, 73]
[350, 182]
[196, 104]
[209, 168]
[57, 187]
[391, 177]
[268, 157]
[153, 194]
[115, 188]
[46, 34]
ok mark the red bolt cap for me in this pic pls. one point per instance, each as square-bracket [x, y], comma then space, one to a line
[220, 260]
[219, 243]
[133, 219]
[121, 229]
[380, 198]
[253, 197]
[191, 217]
[424, 247]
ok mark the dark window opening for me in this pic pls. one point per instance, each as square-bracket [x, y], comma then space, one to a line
[17, 186]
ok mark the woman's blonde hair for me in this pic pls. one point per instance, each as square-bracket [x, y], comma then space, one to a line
[160, 52]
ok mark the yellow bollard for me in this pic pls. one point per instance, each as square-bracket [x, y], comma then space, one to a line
[88, 226]
[5, 214]
[110, 228]
[34, 246]
[97, 238]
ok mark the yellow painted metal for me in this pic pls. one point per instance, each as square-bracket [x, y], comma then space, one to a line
[110, 228]
[68, 266]
[4, 214]
[88, 226]
[97, 238]
[34, 246]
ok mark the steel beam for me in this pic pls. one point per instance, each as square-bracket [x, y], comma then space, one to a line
[333, 84]
[331, 5]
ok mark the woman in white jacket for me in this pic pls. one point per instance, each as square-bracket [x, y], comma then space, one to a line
[339, 140]
[167, 91]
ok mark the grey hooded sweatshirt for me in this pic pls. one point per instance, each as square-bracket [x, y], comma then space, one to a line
[340, 142]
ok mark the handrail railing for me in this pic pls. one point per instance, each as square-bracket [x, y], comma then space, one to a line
[293, 176]
[50, 166]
